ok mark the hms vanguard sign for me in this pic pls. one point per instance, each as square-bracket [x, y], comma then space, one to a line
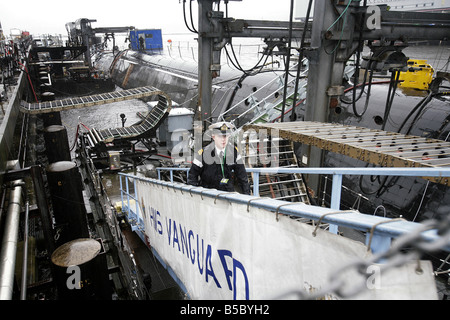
[220, 249]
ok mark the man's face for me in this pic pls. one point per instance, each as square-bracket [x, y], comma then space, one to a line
[221, 140]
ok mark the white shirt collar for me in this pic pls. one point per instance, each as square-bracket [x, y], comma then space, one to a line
[218, 151]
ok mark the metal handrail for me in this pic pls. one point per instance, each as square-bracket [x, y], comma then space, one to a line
[337, 174]
[221, 116]
[379, 240]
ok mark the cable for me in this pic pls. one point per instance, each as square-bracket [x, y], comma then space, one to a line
[343, 12]
[193, 30]
[363, 85]
[300, 60]
[358, 54]
[250, 72]
[237, 65]
[288, 58]
[420, 106]
[29, 80]
[390, 97]
[370, 69]
[192, 20]
[76, 138]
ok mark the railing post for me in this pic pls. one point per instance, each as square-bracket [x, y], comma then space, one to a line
[121, 189]
[336, 191]
[336, 197]
[379, 243]
[128, 197]
[256, 184]
[136, 200]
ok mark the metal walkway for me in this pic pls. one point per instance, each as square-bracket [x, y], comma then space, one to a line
[89, 101]
[144, 129]
[387, 149]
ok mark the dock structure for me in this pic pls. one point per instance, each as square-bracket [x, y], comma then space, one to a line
[383, 148]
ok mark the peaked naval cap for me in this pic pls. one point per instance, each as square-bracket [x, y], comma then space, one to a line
[223, 127]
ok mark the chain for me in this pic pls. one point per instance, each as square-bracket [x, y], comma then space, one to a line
[409, 247]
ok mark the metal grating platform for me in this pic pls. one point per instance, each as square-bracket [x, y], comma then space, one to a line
[387, 149]
[89, 101]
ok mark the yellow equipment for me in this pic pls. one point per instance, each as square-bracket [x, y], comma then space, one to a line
[418, 76]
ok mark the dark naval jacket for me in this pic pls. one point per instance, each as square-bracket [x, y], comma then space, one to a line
[206, 170]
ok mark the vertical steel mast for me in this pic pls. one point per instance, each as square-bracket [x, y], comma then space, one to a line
[205, 48]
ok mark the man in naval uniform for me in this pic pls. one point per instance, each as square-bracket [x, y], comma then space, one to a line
[218, 163]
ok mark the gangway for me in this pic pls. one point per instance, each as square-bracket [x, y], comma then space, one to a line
[92, 100]
[144, 129]
[283, 186]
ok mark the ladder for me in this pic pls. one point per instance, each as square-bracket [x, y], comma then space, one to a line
[280, 186]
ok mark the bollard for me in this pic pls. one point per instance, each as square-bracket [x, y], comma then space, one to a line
[52, 118]
[69, 209]
[81, 270]
[57, 143]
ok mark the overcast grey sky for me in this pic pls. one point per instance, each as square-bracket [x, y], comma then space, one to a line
[50, 16]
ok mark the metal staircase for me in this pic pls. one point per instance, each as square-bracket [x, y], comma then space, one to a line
[281, 186]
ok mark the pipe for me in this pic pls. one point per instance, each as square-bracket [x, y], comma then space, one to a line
[2, 203]
[9, 242]
[23, 290]
[288, 60]
[300, 60]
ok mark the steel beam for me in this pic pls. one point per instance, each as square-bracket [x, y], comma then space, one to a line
[410, 26]
[205, 55]
[240, 28]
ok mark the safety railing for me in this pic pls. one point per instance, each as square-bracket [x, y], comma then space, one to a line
[252, 96]
[337, 174]
[379, 230]
[133, 216]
